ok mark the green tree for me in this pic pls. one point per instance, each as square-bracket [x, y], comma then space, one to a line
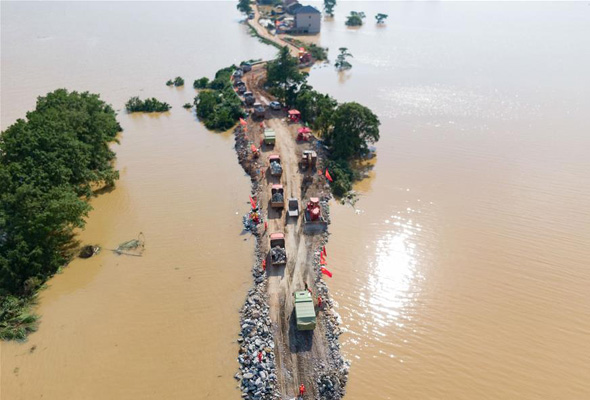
[329, 7]
[354, 127]
[341, 61]
[355, 18]
[135, 104]
[50, 164]
[201, 83]
[283, 73]
[244, 6]
[178, 81]
[381, 18]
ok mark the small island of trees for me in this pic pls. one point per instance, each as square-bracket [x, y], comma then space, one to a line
[135, 104]
[355, 18]
[51, 164]
[178, 81]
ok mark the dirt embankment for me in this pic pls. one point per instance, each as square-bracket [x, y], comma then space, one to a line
[313, 357]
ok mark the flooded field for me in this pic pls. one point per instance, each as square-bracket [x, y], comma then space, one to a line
[462, 273]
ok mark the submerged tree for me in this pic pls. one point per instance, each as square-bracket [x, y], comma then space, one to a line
[178, 81]
[354, 127]
[244, 6]
[341, 61]
[381, 18]
[355, 18]
[329, 7]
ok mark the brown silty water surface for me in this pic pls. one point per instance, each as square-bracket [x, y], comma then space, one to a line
[462, 273]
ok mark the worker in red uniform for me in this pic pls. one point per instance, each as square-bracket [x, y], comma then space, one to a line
[301, 390]
[264, 265]
[259, 356]
[320, 302]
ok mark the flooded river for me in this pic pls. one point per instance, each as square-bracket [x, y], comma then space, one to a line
[461, 274]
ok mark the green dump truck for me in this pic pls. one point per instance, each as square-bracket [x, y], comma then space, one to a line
[304, 311]
[269, 137]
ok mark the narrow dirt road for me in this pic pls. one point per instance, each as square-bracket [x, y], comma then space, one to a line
[298, 354]
[264, 33]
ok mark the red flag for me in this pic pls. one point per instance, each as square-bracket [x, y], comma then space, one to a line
[243, 122]
[326, 272]
[324, 251]
[322, 259]
[252, 202]
[328, 176]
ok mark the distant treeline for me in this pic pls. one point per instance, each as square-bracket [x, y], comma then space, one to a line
[51, 163]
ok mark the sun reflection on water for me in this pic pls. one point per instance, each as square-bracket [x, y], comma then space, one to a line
[393, 272]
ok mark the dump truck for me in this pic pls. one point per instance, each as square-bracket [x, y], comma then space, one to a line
[274, 165]
[304, 311]
[249, 98]
[309, 159]
[269, 137]
[293, 207]
[277, 252]
[259, 110]
[277, 196]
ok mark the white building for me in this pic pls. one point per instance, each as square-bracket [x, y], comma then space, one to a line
[307, 20]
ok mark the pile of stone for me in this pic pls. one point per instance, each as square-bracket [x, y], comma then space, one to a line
[278, 255]
[256, 356]
[277, 198]
[333, 371]
[276, 168]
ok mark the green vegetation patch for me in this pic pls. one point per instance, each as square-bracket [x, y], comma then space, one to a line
[50, 165]
[135, 104]
[218, 105]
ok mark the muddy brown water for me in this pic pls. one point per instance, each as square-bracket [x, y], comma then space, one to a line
[463, 271]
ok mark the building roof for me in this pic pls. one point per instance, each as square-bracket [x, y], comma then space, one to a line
[307, 10]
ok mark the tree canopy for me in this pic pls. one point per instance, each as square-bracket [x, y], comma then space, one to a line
[283, 74]
[341, 61]
[329, 7]
[50, 164]
[381, 18]
[354, 127]
[244, 6]
[355, 18]
[218, 105]
[135, 104]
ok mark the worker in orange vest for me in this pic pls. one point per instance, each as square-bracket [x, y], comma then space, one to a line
[301, 390]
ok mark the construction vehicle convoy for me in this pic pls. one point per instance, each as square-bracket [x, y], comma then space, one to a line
[277, 252]
[304, 311]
